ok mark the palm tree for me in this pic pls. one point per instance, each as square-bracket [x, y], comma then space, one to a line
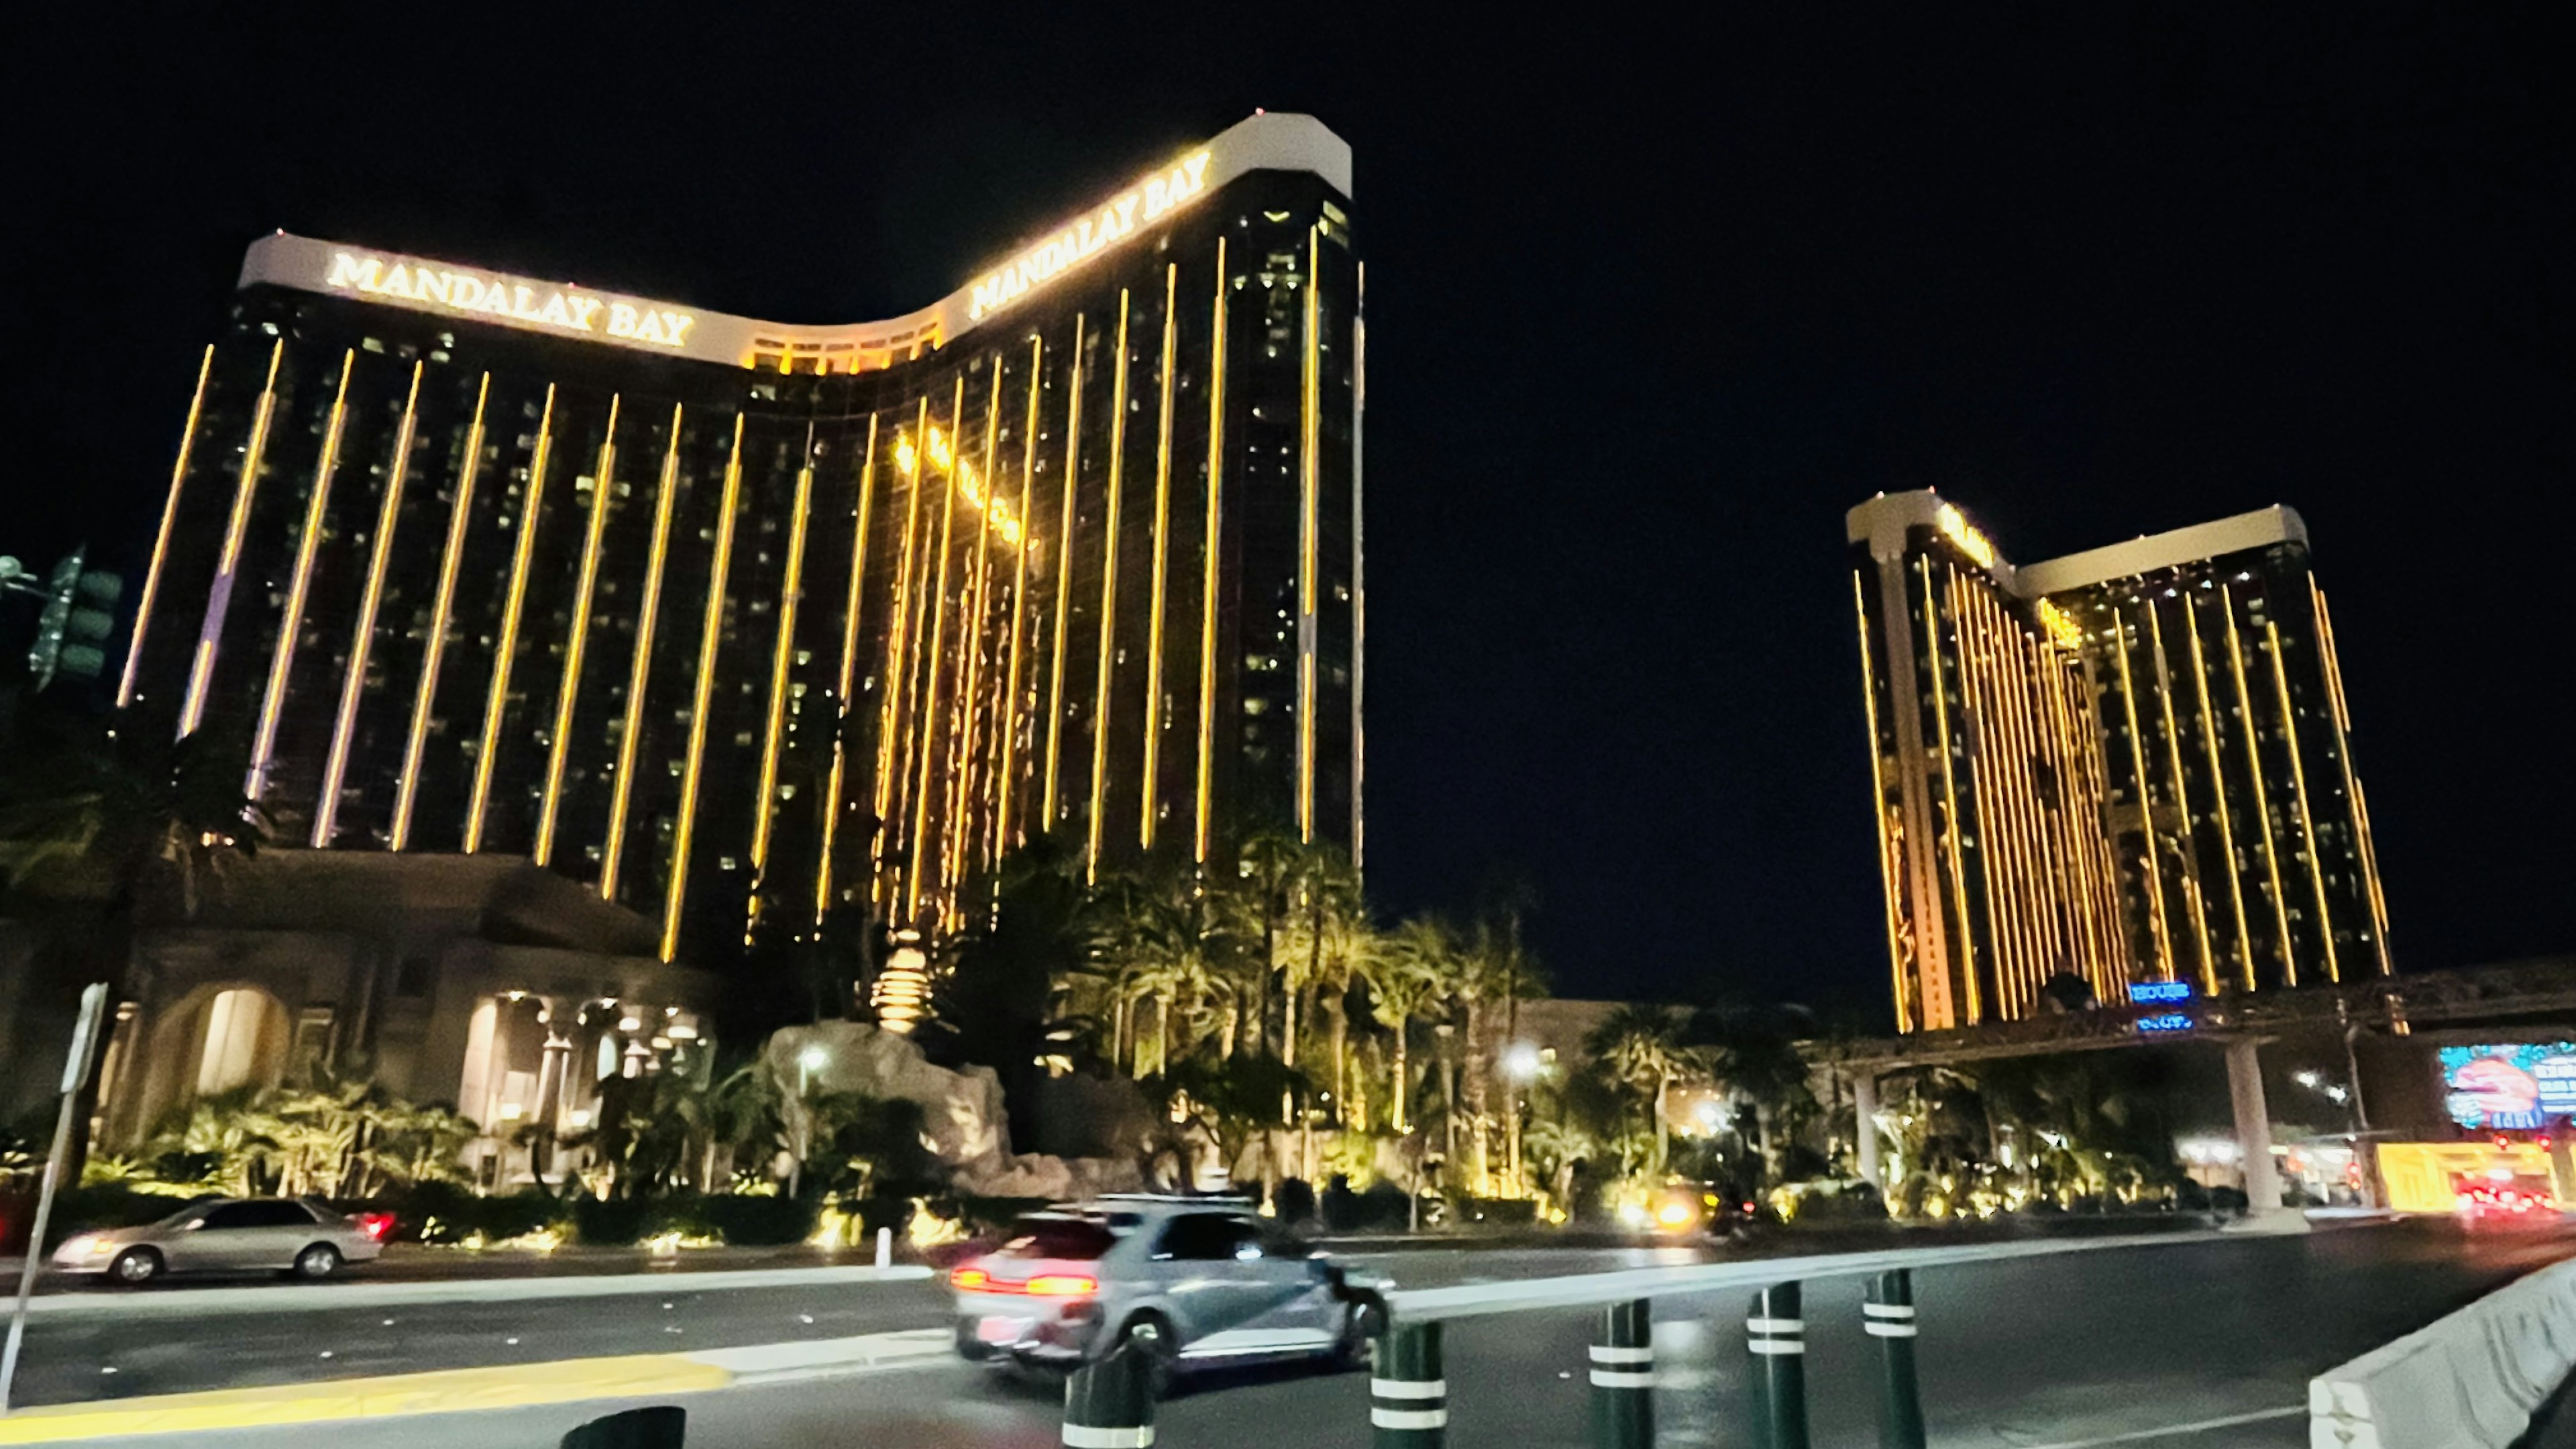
[1641, 1048]
[1417, 968]
[1753, 1052]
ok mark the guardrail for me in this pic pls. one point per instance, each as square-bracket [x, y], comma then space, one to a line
[2471, 1380]
[1109, 1402]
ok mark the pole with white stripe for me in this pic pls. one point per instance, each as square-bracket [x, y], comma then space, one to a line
[1409, 1397]
[1889, 1316]
[1623, 1377]
[1777, 1334]
[1109, 1402]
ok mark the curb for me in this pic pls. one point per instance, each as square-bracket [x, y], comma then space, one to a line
[289, 1299]
[447, 1391]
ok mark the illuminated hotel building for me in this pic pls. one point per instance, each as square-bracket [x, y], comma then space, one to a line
[735, 621]
[2130, 764]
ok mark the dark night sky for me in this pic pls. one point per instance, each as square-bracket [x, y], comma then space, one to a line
[1649, 307]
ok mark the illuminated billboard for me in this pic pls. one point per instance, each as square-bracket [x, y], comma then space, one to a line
[2509, 1087]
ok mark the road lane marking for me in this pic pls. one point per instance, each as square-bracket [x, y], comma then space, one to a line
[506, 1386]
[2198, 1426]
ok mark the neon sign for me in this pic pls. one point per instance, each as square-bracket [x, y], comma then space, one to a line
[1959, 530]
[2143, 992]
[536, 304]
[2165, 1021]
[2509, 1088]
[1114, 221]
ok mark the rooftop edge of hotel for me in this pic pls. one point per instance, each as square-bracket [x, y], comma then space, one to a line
[1264, 141]
[1882, 523]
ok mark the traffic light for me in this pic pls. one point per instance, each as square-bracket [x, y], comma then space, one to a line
[74, 633]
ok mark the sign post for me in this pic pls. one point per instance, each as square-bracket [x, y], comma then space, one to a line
[75, 1075]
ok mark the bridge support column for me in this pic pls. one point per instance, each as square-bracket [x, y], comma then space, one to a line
[2253, 1127]
[1865, 1125]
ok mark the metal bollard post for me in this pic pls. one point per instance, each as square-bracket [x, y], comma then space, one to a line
[663, 1426]
[1623, 1377]
[885, 1248]
[1777, 1335]
[1889, 1316]
[1408, 1397]
[1109, 1402]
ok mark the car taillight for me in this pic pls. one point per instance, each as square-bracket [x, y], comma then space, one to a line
[1063, 1285]
[377, 1226]
[969, 1278]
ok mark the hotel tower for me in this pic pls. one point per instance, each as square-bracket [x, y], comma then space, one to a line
[732, 620]
[2127, 765]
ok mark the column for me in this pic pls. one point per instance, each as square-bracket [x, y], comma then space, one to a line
[2253, 1126]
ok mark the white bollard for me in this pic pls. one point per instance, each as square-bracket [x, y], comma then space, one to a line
[885, 1248]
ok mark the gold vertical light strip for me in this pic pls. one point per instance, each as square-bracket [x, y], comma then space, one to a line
[434, 650]
[2030, 677]
[1152, 789]
[1011, 694]
[675, 891]
[1063, 580]
[1950, 796]
[201, 671]
[1108, 599]
[299, 588]
[2079, 714]
[639, 670]
[2299, 792]
[957, 833]
[1994, 833]
[577, 642]
[2012, 768]
[2146, 802]
[161, 540]
[832, 805]
[1310, 486]
[2218, 787]
[791, 592]
[2262, 795]
[908, 461]
[2005, 656]
[326, 807]
[1878, 816]
[2182, 802]
[1211, 551]
[497, 701]
[926, 734]
[2351, 780]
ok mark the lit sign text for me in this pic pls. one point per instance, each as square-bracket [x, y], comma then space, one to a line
[2145, 991]
[564, 309]
[1115, 221]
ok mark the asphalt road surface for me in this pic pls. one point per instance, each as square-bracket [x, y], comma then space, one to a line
[2213, 1341]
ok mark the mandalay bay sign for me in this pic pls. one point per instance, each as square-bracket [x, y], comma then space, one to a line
[1113, 221]
[507, 299]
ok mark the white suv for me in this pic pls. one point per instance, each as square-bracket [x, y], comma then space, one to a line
[1187, 1280]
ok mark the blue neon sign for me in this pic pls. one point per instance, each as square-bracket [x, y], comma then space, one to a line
[2145, 992]
[2165, 1021]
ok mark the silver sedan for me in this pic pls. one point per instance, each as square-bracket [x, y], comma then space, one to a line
[230, 1235]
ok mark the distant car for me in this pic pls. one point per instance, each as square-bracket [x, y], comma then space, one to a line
[1187, 1281]
[2511, 1201]
[230, 1235]
[1690, 1210]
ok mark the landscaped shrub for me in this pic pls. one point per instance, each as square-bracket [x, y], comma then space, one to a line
[751, 1220]
[610, 1222]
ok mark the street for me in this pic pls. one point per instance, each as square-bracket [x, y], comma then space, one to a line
[2041, 1353]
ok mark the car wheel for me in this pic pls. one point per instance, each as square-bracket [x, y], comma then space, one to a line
[135, 1267]
[317, 1262]
[1152, 1338]
[1357, 1347]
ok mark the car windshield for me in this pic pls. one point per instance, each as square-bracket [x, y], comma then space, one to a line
[1057, 1237]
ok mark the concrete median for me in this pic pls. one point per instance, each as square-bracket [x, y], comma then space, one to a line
[2471, 1380]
